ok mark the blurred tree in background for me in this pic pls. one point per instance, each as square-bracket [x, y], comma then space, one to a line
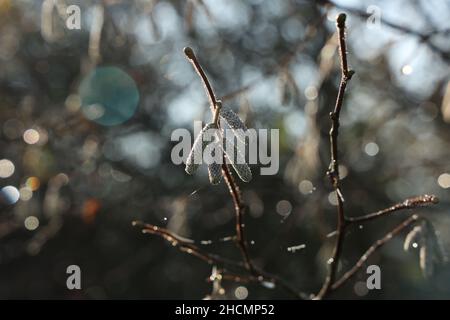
[86, 118]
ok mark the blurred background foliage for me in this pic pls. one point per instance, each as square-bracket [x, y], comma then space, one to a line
[74, 174]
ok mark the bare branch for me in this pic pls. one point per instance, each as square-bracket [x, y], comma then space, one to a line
[409, 203]
[185, 245]
[377, 245]
[333, 171]
[229, 180]
[188, 246]
[209, 90]
[239, 208]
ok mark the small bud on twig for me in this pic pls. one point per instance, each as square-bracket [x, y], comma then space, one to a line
[340, 20]
[189, 53]
[421, 200]
[350, 74]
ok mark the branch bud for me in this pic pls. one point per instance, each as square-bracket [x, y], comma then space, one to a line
[340, 20]
[189, 53]
[350, 74]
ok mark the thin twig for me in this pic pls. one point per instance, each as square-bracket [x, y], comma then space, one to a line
[229, 180]
[333, 171]
[198, 68]
[333, 174]
[377, 245]
[188, 246]
[185, 245]
[239, 208]
[256, 274]
[409, 203]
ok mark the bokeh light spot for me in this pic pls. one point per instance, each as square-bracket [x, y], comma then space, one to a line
[33, 183]
[94, 111]
[109, 96]
[371, 149]
[73, 103]
[6, 168]
[31, 223]
[444, 180]
[241, 293]
[311, 93]
[9, 195]
[91, 207]
[306, 187]
[31, 136]
[332, 198]
[407, 69]
[25, 193]
[343, 171]
[284, 207]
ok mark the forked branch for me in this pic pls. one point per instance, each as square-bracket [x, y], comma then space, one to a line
[252, 273]
[185, 245]
[333, 170]
[377, 245]
[188, 246]
[333, 173]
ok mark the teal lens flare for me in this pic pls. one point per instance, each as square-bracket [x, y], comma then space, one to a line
[109, 96]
